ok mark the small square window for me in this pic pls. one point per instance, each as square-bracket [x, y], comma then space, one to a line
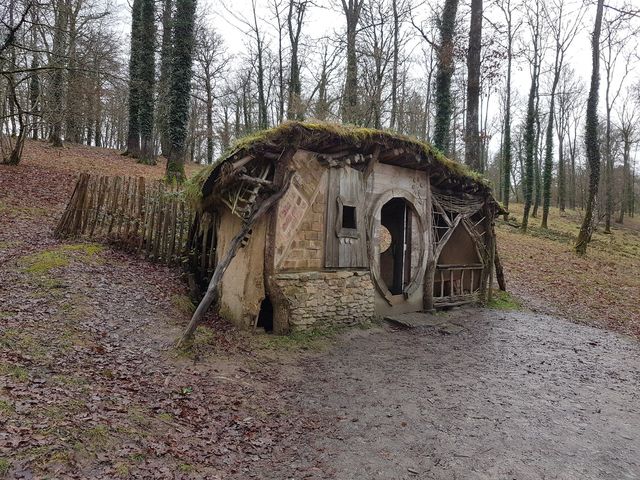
[349, 217]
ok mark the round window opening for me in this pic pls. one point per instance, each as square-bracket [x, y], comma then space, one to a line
[398, 245]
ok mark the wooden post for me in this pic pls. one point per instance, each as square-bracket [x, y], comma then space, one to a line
[430, 271]
[497, 263]
[487, 272]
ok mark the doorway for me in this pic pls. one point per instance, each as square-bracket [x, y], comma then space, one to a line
[395, 251]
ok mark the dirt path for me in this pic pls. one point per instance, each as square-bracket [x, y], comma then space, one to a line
[514, 396]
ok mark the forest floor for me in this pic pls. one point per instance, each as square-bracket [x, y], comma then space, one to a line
[599, 289]
[91, 385]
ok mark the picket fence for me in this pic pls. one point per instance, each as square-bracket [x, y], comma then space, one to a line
[147, 217]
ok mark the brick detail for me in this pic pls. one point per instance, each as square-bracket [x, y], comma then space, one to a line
[307, 247]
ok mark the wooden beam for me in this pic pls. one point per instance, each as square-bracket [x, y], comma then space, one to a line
[257, 181]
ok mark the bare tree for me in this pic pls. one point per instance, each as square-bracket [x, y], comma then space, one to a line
[627, 126]
[210, 63]
[295, 21]
[617, 38]
[564, 29]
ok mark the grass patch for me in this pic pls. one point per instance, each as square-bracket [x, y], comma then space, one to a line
[22, 210]
[122, 470]
[5, 466]
[551, 234]
[183, 303]
[165, 417]
[6, 408]
[42, 263]
[19, 373]
[87, 249]
[504, 301]
[311, 339]
[203, 338]
[22, 341]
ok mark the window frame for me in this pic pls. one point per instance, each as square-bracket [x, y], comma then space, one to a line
[342, 232]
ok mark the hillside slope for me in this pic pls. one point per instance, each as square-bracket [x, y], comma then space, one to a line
[91, 385]
[602, 288]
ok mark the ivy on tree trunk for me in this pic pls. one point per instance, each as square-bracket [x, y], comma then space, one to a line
[180, 86]
[447, 24]
[147, 75]
[472, 153]
[592, 142]
[133, 135]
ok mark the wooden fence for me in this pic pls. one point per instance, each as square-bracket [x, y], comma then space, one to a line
[148, 217]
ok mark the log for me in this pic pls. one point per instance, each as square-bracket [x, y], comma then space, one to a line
[257, 181]
[212, 294]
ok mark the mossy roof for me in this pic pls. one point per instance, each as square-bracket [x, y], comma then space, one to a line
[321, 137]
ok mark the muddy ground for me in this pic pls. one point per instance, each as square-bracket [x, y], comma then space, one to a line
[513, 396]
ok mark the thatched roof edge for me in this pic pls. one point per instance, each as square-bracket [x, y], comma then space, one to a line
[310, 135]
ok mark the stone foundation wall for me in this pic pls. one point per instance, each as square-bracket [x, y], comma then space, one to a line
[328, 298]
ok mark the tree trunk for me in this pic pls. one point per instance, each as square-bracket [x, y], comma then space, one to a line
[529, 136]
[591, 137]
[506, 149]
[162, 111]
[147, 77]
[133, 134]
[350, 113]
[472, 154]
[57, 82]
[441, 132]
[394, 65]
[180, 87]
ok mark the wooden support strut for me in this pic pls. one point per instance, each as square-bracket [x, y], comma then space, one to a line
[212, 294]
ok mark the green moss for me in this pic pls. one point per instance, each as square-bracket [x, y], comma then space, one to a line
[295, 134]
[137, 457]
[43, 262]
[203, 337]
[186, 468]
[122, 470]
[6, 408]
[504, 301]
[22, 341]
[183, 303]
[5, 466]
[310, 339]
[19, 373]
[96, 436]
[87, 249]
[165, 417]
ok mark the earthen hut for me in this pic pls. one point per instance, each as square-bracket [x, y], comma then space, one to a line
[307, 224]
